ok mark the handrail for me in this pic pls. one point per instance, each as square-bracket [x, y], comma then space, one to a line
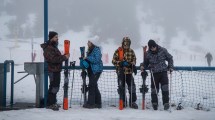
[190, 68]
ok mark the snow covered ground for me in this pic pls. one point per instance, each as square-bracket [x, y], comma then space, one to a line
[25, 92]
[78, 113]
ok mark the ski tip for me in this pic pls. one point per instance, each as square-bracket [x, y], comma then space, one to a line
[120, 104]
[143, 105]
[65, 103]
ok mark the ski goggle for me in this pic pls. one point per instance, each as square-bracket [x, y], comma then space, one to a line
[152, 47]
[126, 43]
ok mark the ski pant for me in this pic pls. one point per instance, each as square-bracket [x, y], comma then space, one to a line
[129, 79]
[160, 78]
[94, 95]
[209, 62]
[54, 84]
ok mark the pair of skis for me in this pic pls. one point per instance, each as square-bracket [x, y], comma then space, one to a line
[121, 90]
[143, 88]
[120, 83]
[83, 75]
[144, 75]
[66, 74]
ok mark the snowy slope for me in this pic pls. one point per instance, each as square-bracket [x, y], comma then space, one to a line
[78, 113]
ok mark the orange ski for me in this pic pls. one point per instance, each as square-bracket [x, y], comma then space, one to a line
[66, 74]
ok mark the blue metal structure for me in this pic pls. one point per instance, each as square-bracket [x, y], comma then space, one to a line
[5, 82]
[138, 68]
[45, 39]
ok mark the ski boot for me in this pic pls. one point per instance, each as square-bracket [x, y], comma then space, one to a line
[166, 106]
[53, 107]
[98, 106]
[89, 106]
[155, 106]
[133, 105]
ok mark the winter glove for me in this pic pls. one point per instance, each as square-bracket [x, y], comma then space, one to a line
[134, 69]
[170, 70]
[142, 67]
[81, 61]
[84, 64]
[124, 64]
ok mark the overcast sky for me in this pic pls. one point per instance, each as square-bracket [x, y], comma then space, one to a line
[168, 21]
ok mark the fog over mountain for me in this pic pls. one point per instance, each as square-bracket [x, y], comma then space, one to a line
[172, 23]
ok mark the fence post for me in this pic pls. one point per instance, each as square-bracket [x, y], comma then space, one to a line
[4, 68]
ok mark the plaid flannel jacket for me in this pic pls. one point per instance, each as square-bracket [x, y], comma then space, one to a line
[129, 56]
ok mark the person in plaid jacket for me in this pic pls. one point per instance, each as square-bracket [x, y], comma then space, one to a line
[126, 64]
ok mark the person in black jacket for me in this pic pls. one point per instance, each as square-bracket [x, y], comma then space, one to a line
[54, 59]
[155, 60]
[209, 58]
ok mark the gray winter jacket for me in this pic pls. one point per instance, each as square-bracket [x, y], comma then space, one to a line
[156, 61]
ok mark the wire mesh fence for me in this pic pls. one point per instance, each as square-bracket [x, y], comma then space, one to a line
[188, 88]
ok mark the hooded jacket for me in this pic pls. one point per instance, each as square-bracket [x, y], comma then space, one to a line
[156, 61]
[53, 57]
[128, 55]
[94, 57]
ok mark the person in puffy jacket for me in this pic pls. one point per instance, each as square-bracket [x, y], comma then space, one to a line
[156, 57]
[94, 65]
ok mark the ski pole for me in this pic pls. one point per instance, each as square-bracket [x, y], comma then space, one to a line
[73, 78]
[170, 90]
[125, 90]
[153, 79]
[131, 87]
[131, 91]
[81, 99]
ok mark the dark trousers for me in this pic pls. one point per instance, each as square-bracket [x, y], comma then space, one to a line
[209, 62]
[160, 78]
[129, 79]
[94, 95]
[54, 84]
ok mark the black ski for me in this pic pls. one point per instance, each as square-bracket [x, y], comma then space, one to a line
[121, 89]
[83, 75]
[144, 74]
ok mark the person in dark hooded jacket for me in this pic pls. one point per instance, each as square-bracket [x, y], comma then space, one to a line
[54, 60]
[209, 58]
[155, 60]
[127, 65]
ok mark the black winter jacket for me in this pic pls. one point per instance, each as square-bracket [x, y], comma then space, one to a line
[156, 61]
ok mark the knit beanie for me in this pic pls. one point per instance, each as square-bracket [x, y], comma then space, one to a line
[152, 43]
[94, 39]
[52, 34]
